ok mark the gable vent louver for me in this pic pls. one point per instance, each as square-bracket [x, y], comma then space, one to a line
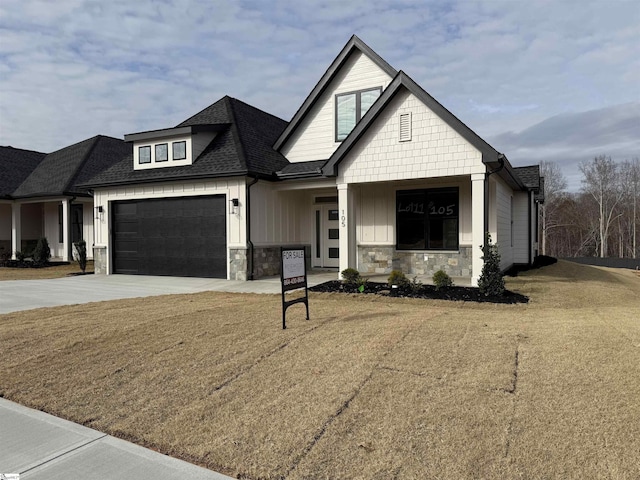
[405, 127]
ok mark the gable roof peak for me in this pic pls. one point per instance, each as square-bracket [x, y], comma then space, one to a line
[354, 43]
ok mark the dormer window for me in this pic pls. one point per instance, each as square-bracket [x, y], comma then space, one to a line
[179, 150]
[162, 152]
[351, 107]
[144, 155]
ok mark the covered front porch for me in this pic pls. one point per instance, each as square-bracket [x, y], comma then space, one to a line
[62, 221]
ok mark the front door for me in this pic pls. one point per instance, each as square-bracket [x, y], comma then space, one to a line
[327, 248]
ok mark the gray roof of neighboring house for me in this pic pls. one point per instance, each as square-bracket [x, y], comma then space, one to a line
[63, 171]
[242, 147]
[15, 166]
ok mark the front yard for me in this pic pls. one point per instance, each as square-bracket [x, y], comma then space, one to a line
[370, 387]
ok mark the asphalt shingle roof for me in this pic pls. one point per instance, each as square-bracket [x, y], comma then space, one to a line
[244, 147]
[15, 166]
[61, 172]
[529, 175]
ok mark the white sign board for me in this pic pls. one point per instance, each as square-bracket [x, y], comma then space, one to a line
[292, 264]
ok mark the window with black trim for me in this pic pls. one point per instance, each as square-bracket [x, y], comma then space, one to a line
[427, 219]
[162, 152]
[144, 154]
[351, 107]
[179, 150]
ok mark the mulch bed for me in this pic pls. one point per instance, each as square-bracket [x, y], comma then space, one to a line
[465, 294]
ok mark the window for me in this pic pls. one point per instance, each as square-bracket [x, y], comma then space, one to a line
[427, 219]
[144, 155]
[162, 152]
[76, 222]
[351, 107]
[179, 150]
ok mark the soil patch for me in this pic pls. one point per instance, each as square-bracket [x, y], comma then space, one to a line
[464, 294]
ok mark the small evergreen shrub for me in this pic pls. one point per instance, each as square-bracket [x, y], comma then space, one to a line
[491, 281]
[415, 285]
[398, 278]
[441, 279]
[351, 276]
[20, 256]
[80, 254]
[41, 252]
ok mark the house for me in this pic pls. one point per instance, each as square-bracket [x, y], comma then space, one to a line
[40, 194]
[371, 172]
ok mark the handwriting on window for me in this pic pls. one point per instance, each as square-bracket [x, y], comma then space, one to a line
[417, 208]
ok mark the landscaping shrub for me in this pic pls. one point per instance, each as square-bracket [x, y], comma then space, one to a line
[491, 281]
[351, 276]
[398, 278]
[80, 254]
[441, 279]
[415, 286]
[20, 256]
[41, 252]
[5, 257]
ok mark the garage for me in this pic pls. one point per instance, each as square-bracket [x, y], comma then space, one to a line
[185, 237]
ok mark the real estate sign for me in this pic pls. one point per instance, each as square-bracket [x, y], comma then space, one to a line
[293, 276]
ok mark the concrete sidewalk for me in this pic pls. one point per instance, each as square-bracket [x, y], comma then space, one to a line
[16, 295]
[40, 446]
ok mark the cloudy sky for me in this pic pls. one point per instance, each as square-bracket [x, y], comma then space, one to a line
[557, 80]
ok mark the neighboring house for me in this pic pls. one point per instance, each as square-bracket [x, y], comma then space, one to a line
[44, 198]
[15, 166]
[372, 173]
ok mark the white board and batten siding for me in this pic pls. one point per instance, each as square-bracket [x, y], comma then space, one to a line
[521, 245]
[314, 139]
[233, 187]
[503, 205]
[433, 150]
[280, 217]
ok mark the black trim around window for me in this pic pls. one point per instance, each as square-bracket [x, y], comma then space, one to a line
[147, 150]
[174, 156]
[427, 219]
[358, 109]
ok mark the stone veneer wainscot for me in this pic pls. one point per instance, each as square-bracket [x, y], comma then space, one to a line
[382, 259]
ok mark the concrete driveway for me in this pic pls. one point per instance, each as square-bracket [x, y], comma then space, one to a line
[16, 295]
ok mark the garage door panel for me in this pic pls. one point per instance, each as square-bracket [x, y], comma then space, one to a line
[179, 237]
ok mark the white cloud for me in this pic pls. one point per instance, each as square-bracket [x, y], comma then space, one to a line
[74, 68]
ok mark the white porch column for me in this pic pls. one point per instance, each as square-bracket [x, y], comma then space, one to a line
[477, 225]
[16, 229]
[347, 228]
[65, 230]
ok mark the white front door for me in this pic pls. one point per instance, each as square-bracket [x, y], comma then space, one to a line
[327, 248]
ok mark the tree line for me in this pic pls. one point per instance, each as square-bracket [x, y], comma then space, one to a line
[601, 220]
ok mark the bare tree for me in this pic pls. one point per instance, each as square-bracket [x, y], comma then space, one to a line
[601, 182]
[555, 185]
[630, 184]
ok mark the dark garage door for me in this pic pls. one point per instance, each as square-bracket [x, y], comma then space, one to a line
[183, 237]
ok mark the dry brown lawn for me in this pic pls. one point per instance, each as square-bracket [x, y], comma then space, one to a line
[56, 271]
[371, 387]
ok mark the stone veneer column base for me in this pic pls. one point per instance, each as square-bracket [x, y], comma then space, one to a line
[238, 264]
[382, 259]
[266, 261]
[100, 260]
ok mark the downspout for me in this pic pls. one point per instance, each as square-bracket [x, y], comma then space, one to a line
[69, 232]
[486, 192]
[248, 217]
[530, 245]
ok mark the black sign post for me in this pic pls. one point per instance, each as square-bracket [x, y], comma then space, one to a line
[293, 275]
